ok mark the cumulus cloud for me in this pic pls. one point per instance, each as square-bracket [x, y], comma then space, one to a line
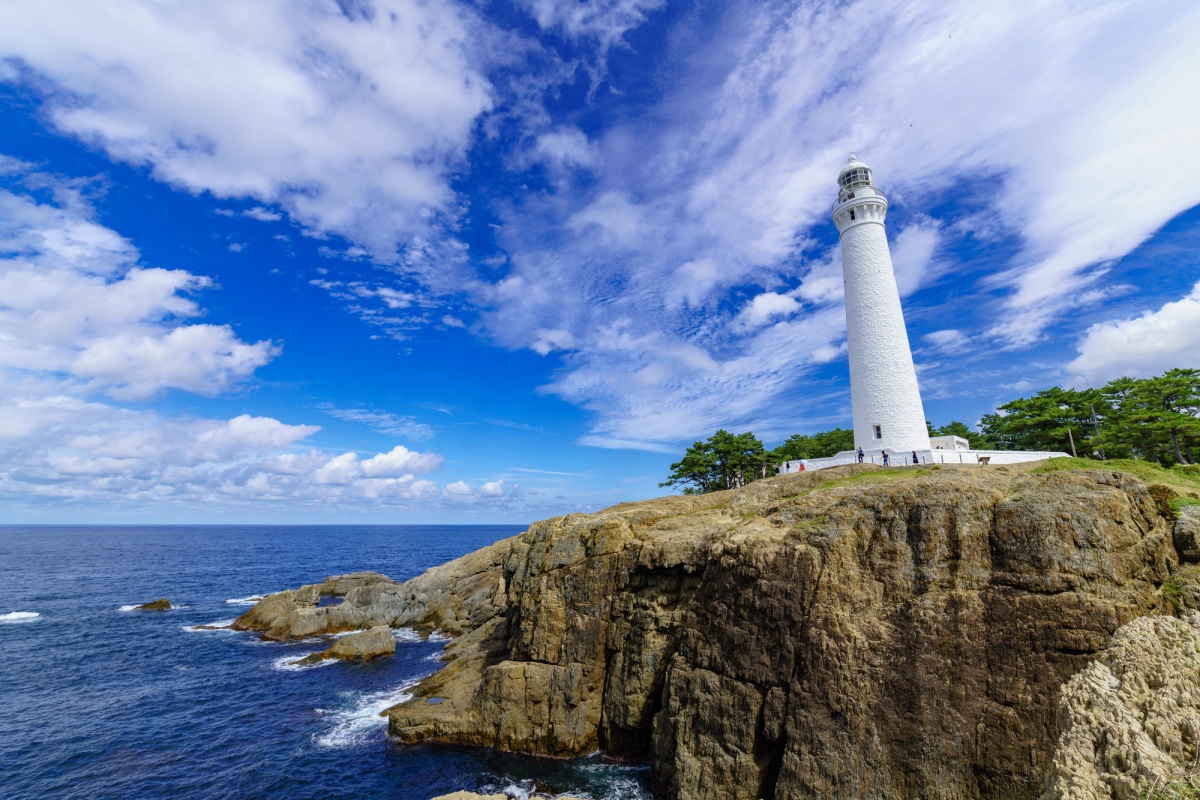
[1142, 346]
[74, 301]
[765, 308]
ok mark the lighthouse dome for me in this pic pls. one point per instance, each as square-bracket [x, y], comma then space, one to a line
[853, 175]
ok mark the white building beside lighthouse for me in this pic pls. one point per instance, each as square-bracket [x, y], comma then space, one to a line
[885, 398]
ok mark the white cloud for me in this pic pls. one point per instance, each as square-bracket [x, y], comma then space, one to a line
[492, 489]
[765, 308]
[262, 214]
[400, 461]
[912, 256]
[1142, 346]
[947, 341]
[351, 122]
[550, 340]
[458, 489]
[566, 146]
[603, 20]
[382, 421]
[74, 302]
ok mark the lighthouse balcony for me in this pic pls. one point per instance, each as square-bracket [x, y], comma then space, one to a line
[860, 192]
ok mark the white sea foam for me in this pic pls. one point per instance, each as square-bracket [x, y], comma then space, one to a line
[128, 608]
[436, 657]
[135, 607]
[438, 636]
[406, 635]
[17, 617]
[245, 601]
[358, 723]
[291, 663]
[220, 626]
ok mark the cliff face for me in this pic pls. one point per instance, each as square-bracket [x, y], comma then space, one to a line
[849, 633]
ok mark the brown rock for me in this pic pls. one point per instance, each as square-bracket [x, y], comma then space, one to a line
[454, 597]
[373, 643]
[1187, 533]
[843, 633]
[161, 604]
[1130, 720]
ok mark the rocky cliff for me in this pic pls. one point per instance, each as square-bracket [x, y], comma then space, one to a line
[853, 633]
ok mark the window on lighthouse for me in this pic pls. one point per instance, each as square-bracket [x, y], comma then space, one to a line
[878, 429]
[852, 213]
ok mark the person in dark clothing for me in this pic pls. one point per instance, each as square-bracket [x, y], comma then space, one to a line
[861, 455]
[886, 460]
[915, 459]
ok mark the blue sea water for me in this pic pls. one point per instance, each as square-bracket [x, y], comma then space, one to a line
[99, 701]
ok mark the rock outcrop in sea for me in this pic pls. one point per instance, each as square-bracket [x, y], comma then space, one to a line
[850, 633]
[363, 646]
[161, 604]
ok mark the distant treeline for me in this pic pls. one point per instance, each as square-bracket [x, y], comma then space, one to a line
[1155, 419]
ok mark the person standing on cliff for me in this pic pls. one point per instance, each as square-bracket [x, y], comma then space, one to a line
[915, 459]
[860, 455]
[886, 460]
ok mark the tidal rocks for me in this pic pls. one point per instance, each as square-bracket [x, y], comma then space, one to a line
[368, 644]
[1131, 719]
[161, 604]
[473, 796]
[847, 633]
[454, 597]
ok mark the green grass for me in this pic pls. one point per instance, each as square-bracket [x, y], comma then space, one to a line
[1186, 788]
[1183, 480]
[874, 476]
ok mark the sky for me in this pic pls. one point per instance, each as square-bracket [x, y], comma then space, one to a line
[399, 261]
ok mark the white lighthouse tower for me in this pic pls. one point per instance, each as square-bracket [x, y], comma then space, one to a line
[884, 397]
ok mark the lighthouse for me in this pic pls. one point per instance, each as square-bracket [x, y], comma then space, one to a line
[884, 397]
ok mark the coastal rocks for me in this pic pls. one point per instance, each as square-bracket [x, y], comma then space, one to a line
[161, 604]
[1131, 719]
[1187, 533]
[848, 633]
[473, 796]
[454, 597]
[368, 644]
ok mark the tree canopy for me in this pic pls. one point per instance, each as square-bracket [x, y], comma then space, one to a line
[1157, 419]
[723, 461]
[1151, 418]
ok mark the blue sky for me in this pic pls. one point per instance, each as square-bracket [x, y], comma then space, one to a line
[398, 261]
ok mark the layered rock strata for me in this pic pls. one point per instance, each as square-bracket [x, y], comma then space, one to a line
[853, 633]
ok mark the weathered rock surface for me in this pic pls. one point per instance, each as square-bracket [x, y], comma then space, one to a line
[842, 634]
[1187, 533]
[454, 597]
[368, 644]
[1131, 719]
[161, 604]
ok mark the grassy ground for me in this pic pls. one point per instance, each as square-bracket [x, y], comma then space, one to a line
[1187, 788]
[1184, 482]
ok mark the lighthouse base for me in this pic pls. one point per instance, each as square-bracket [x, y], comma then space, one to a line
[924, 458]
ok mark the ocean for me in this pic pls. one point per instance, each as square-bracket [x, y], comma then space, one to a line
[101, 701]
